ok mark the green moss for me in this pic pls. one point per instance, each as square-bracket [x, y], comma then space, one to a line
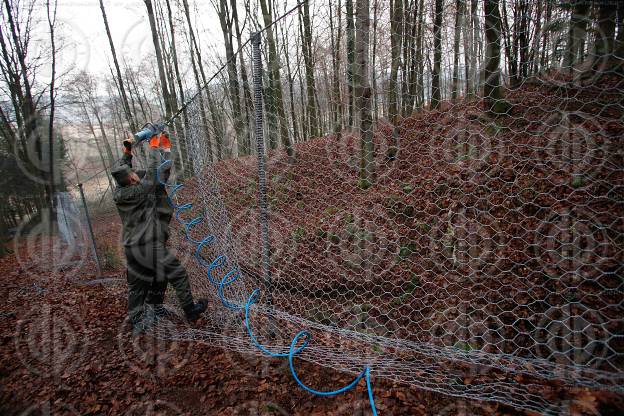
[406, 251]
[424, 227]
[273, 408]
[330, 211]
[364, 183]
[578, 181]
[413, 283]
[464, 346]
[333, 238]
[298, 233]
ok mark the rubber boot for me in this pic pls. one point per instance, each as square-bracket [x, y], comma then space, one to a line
[194, 311]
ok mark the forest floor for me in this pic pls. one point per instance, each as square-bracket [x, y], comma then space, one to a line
[66, 350]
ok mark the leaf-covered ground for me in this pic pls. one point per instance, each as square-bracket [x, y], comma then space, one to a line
[66, 350]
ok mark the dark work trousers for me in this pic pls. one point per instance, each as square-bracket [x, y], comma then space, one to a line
[150, 268]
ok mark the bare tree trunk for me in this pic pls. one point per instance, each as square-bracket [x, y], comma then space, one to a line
[409, 28]
[545, 39]
[362, 91]
[605, 39]
[335, 43]
[122, 90]
[350, 61]
[233, 86]
[467, 43]
[306, 42]
[182, 145]
[291, 87]
[51, 135]
[459, 12]
[512, 62]
[437, 55]
[167, 98]
[275, 80]
[246, 87]
[523, 39]
[492, 90]
[374, 62]
[420, 84]
[474, 23]
[195, 53]
[396, 35]
[536, 38]
[619, 41]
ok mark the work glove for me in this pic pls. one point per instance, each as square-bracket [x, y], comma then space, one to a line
[127, 144]
[161, 141]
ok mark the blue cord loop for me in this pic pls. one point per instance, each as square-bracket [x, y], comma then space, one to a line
[207, 240]
[218, 262]
[228, 279]
[250, 301]
[291, 357]
[302, 337]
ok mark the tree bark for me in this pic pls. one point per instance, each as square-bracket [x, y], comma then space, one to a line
[182, 145]
[492, 90]
[245, 79]
[605, 38]
[233, 86]
[196, 74]
[309, 70]
[335, 43]
[459, 12]
[51, 135]
[122, 90]
[350, 61]
[437, 55]
[275, 83]
[396, 35]
[167, 97]
[362, 92]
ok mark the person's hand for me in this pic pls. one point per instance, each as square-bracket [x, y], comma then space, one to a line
[128, 143]
[160, 141]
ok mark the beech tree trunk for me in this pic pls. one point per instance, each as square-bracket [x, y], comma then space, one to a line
[437, 55]
[492, 90]
[363, 95]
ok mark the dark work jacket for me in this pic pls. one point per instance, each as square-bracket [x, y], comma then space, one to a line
[144, 210]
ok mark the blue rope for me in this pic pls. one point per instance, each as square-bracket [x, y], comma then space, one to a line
[232, 276]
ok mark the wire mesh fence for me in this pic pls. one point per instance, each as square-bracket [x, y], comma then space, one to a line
[448, 214]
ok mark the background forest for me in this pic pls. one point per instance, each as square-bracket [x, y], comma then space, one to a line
[336, 65]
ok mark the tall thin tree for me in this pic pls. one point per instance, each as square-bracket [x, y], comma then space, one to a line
[437, 55]
[363, 95]
[122, 90]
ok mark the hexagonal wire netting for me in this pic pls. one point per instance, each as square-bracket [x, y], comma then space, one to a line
[449, 213]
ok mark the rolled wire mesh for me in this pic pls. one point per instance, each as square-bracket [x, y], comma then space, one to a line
[482, 259]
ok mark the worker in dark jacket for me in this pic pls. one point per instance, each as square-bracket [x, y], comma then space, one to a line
[145, 215]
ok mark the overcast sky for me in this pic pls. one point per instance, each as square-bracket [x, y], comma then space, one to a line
[86, 42]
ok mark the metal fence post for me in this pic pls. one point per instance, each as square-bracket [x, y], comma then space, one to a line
[93, 246]
[262, 196]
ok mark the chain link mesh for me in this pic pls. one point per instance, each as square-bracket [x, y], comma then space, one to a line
[476, 252]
